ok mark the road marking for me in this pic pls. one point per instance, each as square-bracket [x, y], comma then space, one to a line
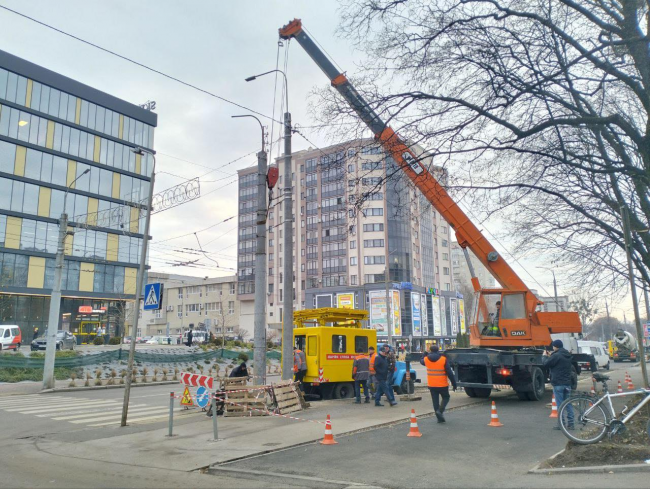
[136, 407]
[134, 420]
[12, 402]
[53, 407]
[117, 416]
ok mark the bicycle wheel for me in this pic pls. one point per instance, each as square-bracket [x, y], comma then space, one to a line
[581, 421]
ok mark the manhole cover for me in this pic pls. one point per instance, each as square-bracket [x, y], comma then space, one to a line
[271, 444]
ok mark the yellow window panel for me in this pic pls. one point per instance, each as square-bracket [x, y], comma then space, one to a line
[86, 276]
[49, 140]
[14, 227]
[77, 113]
[138, 163]
[116, 186]
[36, 273]
[121, 130]
[19, 162]
[72, 173]
[28, 100]
[98, 145]
[44, 197]
[93, 205]
[111, 247]
[135, 213]
[130, 275]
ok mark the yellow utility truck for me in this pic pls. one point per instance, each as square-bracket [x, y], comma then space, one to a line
[330, 338]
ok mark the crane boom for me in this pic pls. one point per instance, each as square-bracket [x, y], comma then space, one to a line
[467, 234]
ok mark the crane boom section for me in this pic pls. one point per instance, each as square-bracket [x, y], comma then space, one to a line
[467, 234]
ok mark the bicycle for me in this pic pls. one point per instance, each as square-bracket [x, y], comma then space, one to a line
[586, 419]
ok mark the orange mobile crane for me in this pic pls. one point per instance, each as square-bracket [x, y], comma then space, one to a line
[507, 332]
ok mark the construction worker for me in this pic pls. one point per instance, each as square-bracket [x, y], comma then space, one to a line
[492, 328]
[372, 380]
[560, 367]
[438, 371]
[299, 366]
[381, 373]
[360, 373]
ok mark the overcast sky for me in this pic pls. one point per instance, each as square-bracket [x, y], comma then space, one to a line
[211, 44]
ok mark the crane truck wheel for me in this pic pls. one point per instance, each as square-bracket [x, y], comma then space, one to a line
[537, 384]
[344, 390]
[470, 391]
[482, 392]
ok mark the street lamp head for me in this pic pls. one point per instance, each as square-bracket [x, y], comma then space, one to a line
[250, 78]
[87, 170]
[138, 150]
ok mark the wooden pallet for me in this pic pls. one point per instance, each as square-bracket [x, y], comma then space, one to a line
[250, 401]
[287, 398]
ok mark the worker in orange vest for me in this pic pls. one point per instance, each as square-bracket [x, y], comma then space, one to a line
[372, 380]
[299, 366]
[360, 372]
[438, 371]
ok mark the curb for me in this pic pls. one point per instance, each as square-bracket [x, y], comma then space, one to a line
[100, 387]
[593, 469]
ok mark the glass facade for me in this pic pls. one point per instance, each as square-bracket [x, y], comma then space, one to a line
[54, 131]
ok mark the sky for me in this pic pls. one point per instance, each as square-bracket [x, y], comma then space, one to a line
[214, 45]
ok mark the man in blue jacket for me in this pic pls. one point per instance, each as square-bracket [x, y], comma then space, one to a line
[560, 365]
[382, 374]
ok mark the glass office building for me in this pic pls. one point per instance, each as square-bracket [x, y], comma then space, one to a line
[52, 130]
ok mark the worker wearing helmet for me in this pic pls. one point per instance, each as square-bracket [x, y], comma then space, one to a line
[492, 328]
[438, 371]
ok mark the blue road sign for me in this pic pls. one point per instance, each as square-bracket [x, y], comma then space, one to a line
[202, 397]
[153, 296]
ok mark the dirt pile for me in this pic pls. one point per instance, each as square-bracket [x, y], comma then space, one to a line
[630, 447]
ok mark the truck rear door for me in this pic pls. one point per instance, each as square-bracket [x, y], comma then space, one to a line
[311, 353]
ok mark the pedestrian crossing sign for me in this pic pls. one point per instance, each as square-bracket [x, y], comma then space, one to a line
[153, 296]
[186, 400]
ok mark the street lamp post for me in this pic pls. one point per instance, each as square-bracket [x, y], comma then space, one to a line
[55, 300]
[138, 287]
[287, 304]
[259, 329]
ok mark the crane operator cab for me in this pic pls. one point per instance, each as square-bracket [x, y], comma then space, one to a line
[501, 314]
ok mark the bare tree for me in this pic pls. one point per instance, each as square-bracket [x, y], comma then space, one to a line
[541, 107]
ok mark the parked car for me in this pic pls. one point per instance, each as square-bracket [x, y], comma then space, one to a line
[153, 340]
[596, 349]
[10, 337]
[127, 339]
[143, 339]
[166, 340]
[65, 340]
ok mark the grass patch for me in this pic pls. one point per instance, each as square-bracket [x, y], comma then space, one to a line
[58, 354]
[15, 374]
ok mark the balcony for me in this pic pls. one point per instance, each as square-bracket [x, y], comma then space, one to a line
[312, 198]
[329, 239]
[334, 269]
[333, 193]
[334, 222]
[312, 212]
[312, 273]
[312, 183]
[312, 256]
[312, 241]
[331, 178]
[329, 254]
[312, 227]
[332, 208]
[244, 237]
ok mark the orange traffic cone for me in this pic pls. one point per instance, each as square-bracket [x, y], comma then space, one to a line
[414, 430]
[328, 439]
[619, 390]
[494, 421]
[630, 384]
[592, 391]
[553, 409]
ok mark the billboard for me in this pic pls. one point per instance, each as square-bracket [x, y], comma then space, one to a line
[443, 317]
[435, 309]
[461, 313]
[396, 313]
[416, 314]
[345, 301]
[378, 312]
[454, 316]
[425, 316]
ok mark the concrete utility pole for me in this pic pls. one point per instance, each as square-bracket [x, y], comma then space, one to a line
[287, 289]
[259, 330]
[609, 328]
[635, 303]
[138, 287]
[55, 299]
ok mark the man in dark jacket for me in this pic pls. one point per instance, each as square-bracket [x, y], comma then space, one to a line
[438, 371]
[382, 376]
[240, 371]
[560, 366]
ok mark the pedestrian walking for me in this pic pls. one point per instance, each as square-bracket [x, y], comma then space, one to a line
[372, 379]
[392, 361]
[438, 371]
[299, 366]
[381, 374]
[189, 338]
[360, 373]
[559, 365]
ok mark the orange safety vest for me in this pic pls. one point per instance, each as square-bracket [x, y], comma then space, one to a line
[296, 360]
[436, 374]
[372, 363]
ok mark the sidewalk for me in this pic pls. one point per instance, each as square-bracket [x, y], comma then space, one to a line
[192, 447]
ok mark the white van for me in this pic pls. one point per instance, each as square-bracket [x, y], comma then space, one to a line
[596, 349]
[10, 337]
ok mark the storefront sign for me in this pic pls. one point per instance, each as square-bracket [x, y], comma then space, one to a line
[425, 316]
[454, 316]
[461, 313]
[86, 309]
[378, 311]
[416, 314]
[437, 325]
[345, 301]
[396, 316]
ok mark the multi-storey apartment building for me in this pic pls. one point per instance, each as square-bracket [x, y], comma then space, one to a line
[352, 224]
[462, 275]
[52, 130]
[208, 304]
